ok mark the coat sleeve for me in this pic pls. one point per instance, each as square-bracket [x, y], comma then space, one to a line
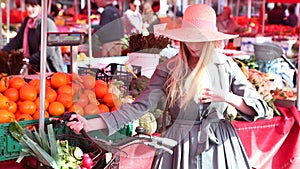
[17, 42]
[142, 104]
[242, 87]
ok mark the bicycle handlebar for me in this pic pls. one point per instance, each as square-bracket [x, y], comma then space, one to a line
[165, 144]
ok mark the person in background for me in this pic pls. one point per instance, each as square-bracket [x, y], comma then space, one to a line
[110, 30]
[149, 17]
[155, 6]
[28, 38]
[226, 24]
[133, 20]
[276, 15]
[54, 10]
[292, 18]
[199, 84]
[94, 9]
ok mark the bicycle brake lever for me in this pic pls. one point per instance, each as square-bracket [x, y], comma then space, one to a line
[157, 146]
[165, 141]
[67, 116]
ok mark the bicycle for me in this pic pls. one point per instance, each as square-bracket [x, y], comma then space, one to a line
[107, 154]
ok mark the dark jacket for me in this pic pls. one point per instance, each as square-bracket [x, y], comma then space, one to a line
[54, 57]
[111, 26]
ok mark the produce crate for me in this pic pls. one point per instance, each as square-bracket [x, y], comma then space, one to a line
[11, 149]
[112, 71]
[118, 136]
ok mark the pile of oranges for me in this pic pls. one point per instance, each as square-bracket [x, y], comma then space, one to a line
[20, 100]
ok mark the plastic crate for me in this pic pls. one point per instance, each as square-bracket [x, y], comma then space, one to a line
[112, 71]
[118, 136]
[10, 148]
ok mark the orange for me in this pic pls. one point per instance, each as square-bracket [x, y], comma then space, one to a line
[65, 89]
[36, 84]
[91, 95]
[12, 94]
[3, 102]
[83, 100]
[89, 81]
[56, 109]
[38, 102]
[28, 107]
[3, 84]
[111, 100]
[103, 108]
[36, 114]
[69, 79]
[12, 106]
[77, 88]
[77, 109]
[23, 117]
[17, 82]
[113, 108]
[50, 94]
[58, 79]
[28, 92]
[76, 78]
[65, 99]
[91, 109]
[100, 90]
[6, 116]
[99, 81]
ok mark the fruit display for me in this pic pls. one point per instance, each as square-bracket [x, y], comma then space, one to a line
[20, 98]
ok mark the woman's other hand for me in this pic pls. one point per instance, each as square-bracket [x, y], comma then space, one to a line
[208, 95]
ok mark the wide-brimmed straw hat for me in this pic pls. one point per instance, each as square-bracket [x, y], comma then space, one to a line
[198, 25]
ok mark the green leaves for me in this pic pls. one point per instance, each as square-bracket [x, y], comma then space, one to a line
[16, 130]
[45, 148]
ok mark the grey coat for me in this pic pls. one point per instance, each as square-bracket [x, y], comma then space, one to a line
[54, 56]
[206, 138]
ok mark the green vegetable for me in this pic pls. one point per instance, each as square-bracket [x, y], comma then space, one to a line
[45, 148]
[16, 130]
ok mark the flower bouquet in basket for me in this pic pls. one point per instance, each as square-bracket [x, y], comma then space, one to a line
[66, 151]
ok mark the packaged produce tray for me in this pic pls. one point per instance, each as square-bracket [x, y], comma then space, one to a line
[11, 149]
[113, 71]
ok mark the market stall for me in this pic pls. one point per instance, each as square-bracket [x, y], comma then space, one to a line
[272, 143]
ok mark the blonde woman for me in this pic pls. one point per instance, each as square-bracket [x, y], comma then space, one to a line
[199, 84]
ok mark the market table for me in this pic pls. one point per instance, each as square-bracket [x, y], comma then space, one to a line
[273, 143]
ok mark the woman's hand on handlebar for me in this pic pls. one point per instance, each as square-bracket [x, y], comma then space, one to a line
[77, 123]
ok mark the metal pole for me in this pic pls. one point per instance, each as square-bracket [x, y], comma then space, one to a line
[7, 19]
[89, 30]
[43, 63]
[49, 7]
[249, 9]
[237, 8]
[263, 17]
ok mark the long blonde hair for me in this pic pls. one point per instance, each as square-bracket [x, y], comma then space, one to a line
[186, 84]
